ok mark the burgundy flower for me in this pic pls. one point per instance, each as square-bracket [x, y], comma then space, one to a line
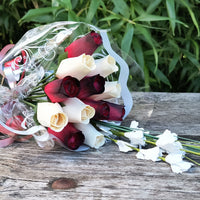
[60, 89]
[87, 44]
[91, 85]
[106, 110]
[70, 136]
[15, 122]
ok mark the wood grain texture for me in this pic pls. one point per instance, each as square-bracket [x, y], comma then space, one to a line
[27, 171]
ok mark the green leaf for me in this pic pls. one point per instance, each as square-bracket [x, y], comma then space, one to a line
[72, 16]
[173, 62]
[122, 7]
[196, 48]
[192, 15]
[138, 52]
[146, 78]
[65, 4]
[127, 39]
[148, 38]
[148, 18]
[191, 57]
[153, 6]
[159, 75]
[36, 13]
[109, 18]
[171, 13]
[92, 10]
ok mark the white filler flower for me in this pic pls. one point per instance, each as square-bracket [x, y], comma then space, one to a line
[136, 136]
[177, 163]
[150, 154]
[124, 146]
[168, 142]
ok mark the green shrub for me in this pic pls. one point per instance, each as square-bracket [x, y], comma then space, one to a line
[162, 36]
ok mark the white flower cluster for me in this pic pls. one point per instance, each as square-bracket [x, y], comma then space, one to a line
[166, 144]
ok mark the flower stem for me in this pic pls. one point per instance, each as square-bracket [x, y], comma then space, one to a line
[193, 161]
[37, 96]
[28, 103]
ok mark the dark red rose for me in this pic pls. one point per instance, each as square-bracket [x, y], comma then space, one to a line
[102, 110]
[15, 122]
[106, 111]
[60, 89]
[91, 85]
[87, 44]
[116, 112]
[70, 136]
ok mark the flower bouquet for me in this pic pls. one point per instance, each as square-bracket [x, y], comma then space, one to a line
[57, 84]
[55, 80]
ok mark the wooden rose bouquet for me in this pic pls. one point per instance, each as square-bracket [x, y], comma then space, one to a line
[57, 85]
[55, 80]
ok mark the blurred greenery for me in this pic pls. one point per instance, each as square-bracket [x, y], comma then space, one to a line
[163, 36]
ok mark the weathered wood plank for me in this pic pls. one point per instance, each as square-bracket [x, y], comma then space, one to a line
[26, 171]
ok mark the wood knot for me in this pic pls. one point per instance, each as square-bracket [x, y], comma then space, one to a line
[63, 183]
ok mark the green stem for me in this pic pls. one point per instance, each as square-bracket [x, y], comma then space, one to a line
[46, 78]
[37, 96]
[193, 161]
[41, 86]
[28, 103]
[192, 152]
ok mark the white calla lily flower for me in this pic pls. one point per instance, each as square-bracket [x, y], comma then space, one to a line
[51, 115]
[77, 111]
[104, 66]
[77, 67]
[112, 90]
[93, 138]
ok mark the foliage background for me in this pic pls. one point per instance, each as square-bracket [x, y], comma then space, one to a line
[163, 36]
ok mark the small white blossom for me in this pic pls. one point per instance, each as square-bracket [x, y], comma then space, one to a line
[150, 154]
[177, 163]
[134, 125]
[168, 142]
[123, 146]
[166, 137]
[136, 137]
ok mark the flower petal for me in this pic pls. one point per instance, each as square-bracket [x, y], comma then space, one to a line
[106, 110]
[77, 67]
[177, 163]
[60, 89]
[112, 90]
[124, 146]
[150, 154]
[87, 44]
[93, 138]
[77, 111]
[136, 137]
[104, 66]
[69, 136]
[91, 85]
[51, 115]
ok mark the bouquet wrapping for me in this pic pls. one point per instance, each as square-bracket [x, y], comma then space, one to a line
[58, 78]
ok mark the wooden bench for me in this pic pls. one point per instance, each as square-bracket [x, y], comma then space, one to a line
[27, 171]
